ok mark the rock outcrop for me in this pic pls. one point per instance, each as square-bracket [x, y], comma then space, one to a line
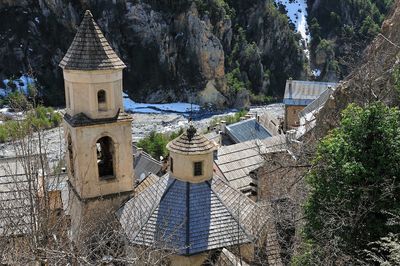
[373, 80]
[172, 49]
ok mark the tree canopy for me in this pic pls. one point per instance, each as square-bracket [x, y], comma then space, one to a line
[355, 186]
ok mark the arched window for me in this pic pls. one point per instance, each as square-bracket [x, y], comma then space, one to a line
[102, 100]
[70, 155]
[105, 157]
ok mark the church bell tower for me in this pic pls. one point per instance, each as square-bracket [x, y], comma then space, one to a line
[97, 131]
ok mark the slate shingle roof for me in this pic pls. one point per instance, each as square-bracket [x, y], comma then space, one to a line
[246, 130]
[90, 50]
[304, 92]
[189, 143]
[237, 161]
[144, 165]
[190, 218]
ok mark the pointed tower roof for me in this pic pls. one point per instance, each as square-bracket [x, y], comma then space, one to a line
[90, 50]
[191, 142]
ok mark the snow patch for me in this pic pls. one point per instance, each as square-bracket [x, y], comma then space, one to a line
[21, 85]
[149, 108]
[297, 13]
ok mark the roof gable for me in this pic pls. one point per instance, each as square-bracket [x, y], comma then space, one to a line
[90, 50]
[298, 92]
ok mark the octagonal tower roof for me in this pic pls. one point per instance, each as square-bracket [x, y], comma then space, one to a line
[191, 142]
[90, 50]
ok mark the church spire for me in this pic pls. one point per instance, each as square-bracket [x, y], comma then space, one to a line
[90, 50]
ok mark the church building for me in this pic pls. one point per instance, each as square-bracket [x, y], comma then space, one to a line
[189, 211]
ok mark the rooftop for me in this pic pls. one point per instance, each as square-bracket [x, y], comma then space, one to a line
[191, 142]
[144, 165]
[246, 130]
[298, 92]
[90, 50]
[190, 218]
[237, 161]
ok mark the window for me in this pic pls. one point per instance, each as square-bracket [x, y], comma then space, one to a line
[101, 100]
[70, 155]
[171, 165]
[105, 157]
[198, 168]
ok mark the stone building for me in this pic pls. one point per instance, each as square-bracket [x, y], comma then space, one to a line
[97, 131]
[299, 94]
[191, 211]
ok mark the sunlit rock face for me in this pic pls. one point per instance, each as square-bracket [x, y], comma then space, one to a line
[171, 51]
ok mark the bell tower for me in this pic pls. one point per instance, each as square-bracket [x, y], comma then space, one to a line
[97, 131]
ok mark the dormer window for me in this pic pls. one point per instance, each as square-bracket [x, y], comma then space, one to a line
[198, 168]
[102, 100]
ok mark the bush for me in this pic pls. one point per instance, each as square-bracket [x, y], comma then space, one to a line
[155, 143]
[355, 181]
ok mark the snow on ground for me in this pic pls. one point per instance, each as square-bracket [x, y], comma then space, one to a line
[297, 13]
[149, 108]
[316, 72]
[21, 84]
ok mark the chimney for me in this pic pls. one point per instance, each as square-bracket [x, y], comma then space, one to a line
[223, 126]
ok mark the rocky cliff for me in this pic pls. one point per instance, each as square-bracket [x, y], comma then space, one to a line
[376, 79]
[187, 50]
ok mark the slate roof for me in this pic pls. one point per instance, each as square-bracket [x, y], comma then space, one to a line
[304, 92]
[90, 50]
[190, 218]
[14, 205]
[15, 191]
[237, 161]
[144, 164]
[246, 130]
[191, 142]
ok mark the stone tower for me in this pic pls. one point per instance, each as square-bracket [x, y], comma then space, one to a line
[97, 131]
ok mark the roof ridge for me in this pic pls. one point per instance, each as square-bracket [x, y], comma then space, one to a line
[249, 235]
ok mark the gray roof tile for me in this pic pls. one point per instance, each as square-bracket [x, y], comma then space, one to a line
[246, 130]
[189, 218]
[90, 50]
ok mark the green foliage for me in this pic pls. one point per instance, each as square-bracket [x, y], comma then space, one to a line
[234, 80]
[18, 101]
[352, 23]
[355, 181]
[229, 119]
[36, 119]
[155, 143]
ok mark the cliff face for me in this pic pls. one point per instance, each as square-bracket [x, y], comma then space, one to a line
[373, 81]
[173, 49]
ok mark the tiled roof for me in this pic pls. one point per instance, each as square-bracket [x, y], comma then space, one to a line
[190, 218]
[246, 130]
[237, 161]
[14, 205]
[90, 50]
[191, 142]
[144, 165]
[15, 191]
[298, 92]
